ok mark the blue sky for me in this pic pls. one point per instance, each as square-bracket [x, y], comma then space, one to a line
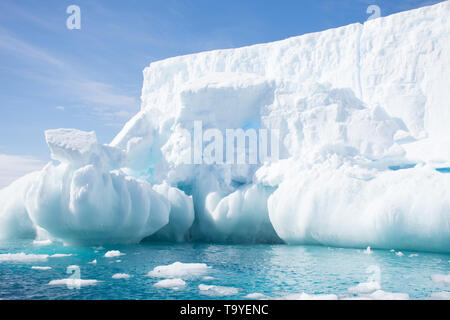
[90, 79]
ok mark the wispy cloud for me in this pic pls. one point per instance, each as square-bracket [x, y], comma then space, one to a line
[19, 47]
[100, 99]
[13, 167]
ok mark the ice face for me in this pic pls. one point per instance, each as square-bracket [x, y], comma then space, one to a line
[81, 200]
[362, 118]
[345, 206]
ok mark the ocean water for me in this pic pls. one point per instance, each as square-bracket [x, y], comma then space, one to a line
[272, 271]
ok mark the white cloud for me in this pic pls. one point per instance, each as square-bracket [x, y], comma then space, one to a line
[13, 167]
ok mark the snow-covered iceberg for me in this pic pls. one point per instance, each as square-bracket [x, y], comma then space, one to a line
[361, 113]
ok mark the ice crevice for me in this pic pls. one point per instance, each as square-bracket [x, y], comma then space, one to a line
[362, 114]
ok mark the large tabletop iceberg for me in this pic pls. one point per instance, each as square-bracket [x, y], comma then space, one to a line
[362, 113]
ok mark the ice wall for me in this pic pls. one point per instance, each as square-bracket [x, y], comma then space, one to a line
[362, 113]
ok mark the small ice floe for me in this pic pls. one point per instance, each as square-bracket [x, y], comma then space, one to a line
[441, 279]
[383, 295]
[399, 254]
[73, 283]
[42, 243]
[180, 270]
[368, 251]
[22, 257]
[217, 291]
[61, 255]
[93, 261]
[118, 261]
[255, 296]
[174, 284]
[305, 296]
[41, 268]
[208, 278]
[365, 287]
[412, 255]
[121, 276]
[444, 295]
[113, 254]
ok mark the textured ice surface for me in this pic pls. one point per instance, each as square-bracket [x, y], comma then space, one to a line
[113, 254]
[174, 284]
[73, 283]
[305, 296]
[23, 257]
[217, 291]
[84, 200]
[180, 270]
[121, 276]
[362, 113]
[365, 287]
[41, 268]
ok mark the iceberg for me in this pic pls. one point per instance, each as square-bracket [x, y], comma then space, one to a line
[361, 113]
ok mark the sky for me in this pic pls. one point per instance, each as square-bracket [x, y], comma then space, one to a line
[90, 79]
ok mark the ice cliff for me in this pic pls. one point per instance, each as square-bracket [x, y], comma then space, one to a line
[363, 118]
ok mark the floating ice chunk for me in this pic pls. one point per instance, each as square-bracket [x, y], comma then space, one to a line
[41, 268]
[113, 254]
[217, 291]
[241, 216]
[22, 257]
[174, 284]
[181, 214]
[441, 279]
[15, 222]
[383, 295]
[255, 296]
[72, 146]
[406, 208]
[42, 243]
[305, 296]
[93, 261]
[399, 254]
[180, 270]
[368, 251]
[115, 208]
[73, 283]
[444, 295]
[121, 276]
[61, 255]
[412, 255]
[365, 287]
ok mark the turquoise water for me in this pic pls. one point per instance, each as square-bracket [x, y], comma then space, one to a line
[272, 270]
